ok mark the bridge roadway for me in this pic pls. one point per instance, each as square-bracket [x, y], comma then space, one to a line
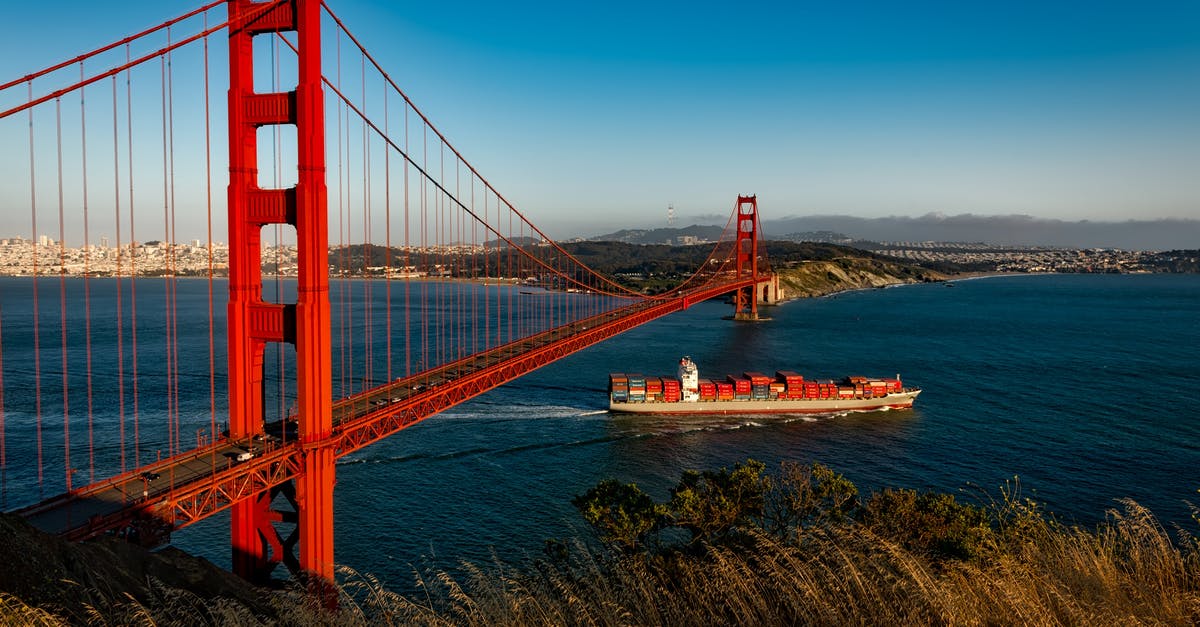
[174, 492]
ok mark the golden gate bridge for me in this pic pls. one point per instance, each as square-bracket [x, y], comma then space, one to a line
[462, 292]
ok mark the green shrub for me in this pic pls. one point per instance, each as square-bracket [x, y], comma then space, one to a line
[806, 497]
[931, 523]
[620, 513]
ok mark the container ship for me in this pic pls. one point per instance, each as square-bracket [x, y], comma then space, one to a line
[752, 393]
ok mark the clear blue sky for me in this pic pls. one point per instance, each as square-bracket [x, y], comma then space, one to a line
[594, 114]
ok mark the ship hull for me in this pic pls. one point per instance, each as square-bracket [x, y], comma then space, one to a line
[895, 400]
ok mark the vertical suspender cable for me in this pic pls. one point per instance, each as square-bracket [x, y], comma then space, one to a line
[423, 364]
[117, 275]
[450, 297]
[453, 243]
[341, 231]
[407, 261]
[173, 247]
[348, 284]
[439, 223]
[463, 258]
[435, 246]
[522, 306]
[501, 279]
[87, 288]
[455, 223]
[366, 232]
[133, 270]
[500, 284]
[212, 357]
[487, 292]
[387, 229]
[471, 233]
[37, 349]
[368, 252]
[162, 67]
[513, 273]
[62, 297]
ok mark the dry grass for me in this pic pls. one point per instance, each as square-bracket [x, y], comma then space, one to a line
[1032, 571]
[1127, 572]
[14, 611]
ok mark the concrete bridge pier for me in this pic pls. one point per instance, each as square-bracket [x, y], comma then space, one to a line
[766, 292]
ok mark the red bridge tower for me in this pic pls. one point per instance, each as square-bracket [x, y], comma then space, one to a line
[257, 545]
[745, 300]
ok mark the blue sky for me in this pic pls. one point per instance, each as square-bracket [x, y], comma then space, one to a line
[595, 116]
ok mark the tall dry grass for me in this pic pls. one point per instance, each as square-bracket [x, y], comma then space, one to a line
[1037, 572]
[14, 611]
[1031, 571]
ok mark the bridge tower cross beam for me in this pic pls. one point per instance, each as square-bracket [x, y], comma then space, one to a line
[252, 323]
[746, 258]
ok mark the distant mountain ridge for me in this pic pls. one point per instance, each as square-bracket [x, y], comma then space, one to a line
[999, 230]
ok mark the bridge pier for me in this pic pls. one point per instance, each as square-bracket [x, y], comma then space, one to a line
[766, 292]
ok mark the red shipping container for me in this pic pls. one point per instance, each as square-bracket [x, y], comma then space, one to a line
[741, 385]
[757, 378]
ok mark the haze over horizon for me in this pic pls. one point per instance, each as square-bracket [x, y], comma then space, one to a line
[596, 117]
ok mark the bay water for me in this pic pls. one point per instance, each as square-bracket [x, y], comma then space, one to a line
[1078, 390]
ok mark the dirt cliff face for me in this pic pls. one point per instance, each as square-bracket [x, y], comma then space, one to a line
[807, 279]
[69, 578]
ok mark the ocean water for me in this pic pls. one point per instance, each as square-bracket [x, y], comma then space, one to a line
[1085, 387]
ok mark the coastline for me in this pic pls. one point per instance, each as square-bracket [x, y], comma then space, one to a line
[846, 288]
[820, 278]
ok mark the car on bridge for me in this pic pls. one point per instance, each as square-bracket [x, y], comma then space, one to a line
[243, 455]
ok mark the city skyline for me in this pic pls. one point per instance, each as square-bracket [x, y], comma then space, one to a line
[591, 119]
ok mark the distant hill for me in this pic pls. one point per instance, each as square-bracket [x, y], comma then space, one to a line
[995, 230]
[829, 237]
[669, 236]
